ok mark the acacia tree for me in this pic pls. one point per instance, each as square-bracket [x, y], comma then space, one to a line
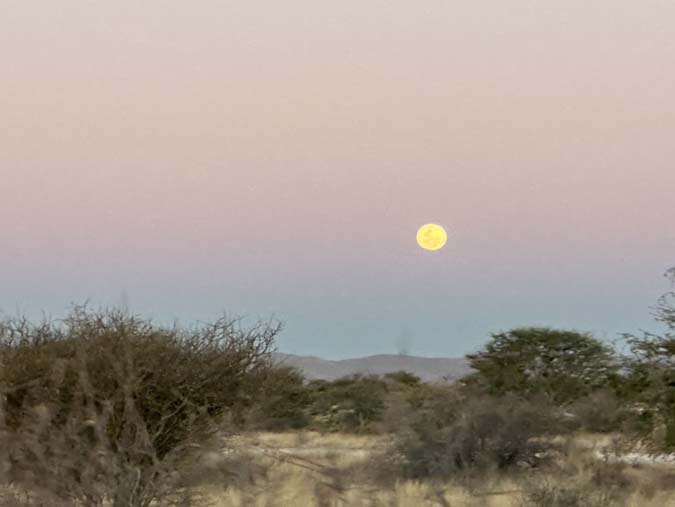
[104, 406]
[562, 365]
[650, 375]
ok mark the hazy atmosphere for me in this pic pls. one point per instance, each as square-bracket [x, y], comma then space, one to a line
[276, 159]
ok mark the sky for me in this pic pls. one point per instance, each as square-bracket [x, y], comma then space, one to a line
[275, 159]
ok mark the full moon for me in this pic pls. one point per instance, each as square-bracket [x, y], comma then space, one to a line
[431, 237]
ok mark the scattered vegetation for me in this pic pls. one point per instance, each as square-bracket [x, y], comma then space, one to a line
[105, 408]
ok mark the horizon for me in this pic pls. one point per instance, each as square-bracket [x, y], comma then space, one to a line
[365, 357]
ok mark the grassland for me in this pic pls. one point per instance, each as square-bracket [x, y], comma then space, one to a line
[311, 470]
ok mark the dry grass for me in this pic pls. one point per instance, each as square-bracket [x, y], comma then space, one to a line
[314, 470]
[289, 486]
[315, 439]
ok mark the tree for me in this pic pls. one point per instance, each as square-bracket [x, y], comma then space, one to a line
[563, 365]
[665, 308]
[650, 377]
[103, 406]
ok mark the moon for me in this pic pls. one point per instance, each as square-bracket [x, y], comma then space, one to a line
[431, 237]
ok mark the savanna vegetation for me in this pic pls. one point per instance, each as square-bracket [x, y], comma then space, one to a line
[106, 408]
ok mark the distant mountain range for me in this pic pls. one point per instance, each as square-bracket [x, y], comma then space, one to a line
[429, 369]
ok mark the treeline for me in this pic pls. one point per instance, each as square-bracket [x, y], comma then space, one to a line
[104, 406]
[582, 381]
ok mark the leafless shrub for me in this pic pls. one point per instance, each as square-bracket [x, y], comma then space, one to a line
[474, 435]
[599, 412]
[104, 406]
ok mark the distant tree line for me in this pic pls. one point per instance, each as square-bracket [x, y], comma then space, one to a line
[565, 368]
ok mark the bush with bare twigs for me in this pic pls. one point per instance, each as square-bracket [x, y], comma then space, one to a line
[103, 406]
[464, 435]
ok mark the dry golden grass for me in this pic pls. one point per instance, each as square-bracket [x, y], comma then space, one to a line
[315, 439]
[302, 472]
[293, 487]
[313, 470]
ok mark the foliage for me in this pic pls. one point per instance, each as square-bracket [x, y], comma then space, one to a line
[455, 433]
[103, 405]
[404, 377]
[348, 404]
[282, 401]
[599, 412]
[563, 365]
[650, 371]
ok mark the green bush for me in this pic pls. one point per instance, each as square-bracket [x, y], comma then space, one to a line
[282, 401]
[347, 404]
[562, 365]
[404, 377]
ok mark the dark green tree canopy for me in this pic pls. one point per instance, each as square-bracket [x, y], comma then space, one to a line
[560, 364]
[356, 401]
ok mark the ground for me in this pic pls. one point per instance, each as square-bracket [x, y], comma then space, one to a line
[313, 470]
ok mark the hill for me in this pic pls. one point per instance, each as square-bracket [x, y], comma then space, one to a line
[429, 369]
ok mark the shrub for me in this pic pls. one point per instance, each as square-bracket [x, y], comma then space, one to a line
[649, 378]
[402, 392]
[282, 401]
[599, 412]
[404, 377]
[103, 405]
[473, 435]
[348, 404]
[596, 485]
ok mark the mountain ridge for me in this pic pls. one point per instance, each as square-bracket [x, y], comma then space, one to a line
[429, 369]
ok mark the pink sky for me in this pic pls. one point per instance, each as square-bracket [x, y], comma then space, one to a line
[278, 158]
